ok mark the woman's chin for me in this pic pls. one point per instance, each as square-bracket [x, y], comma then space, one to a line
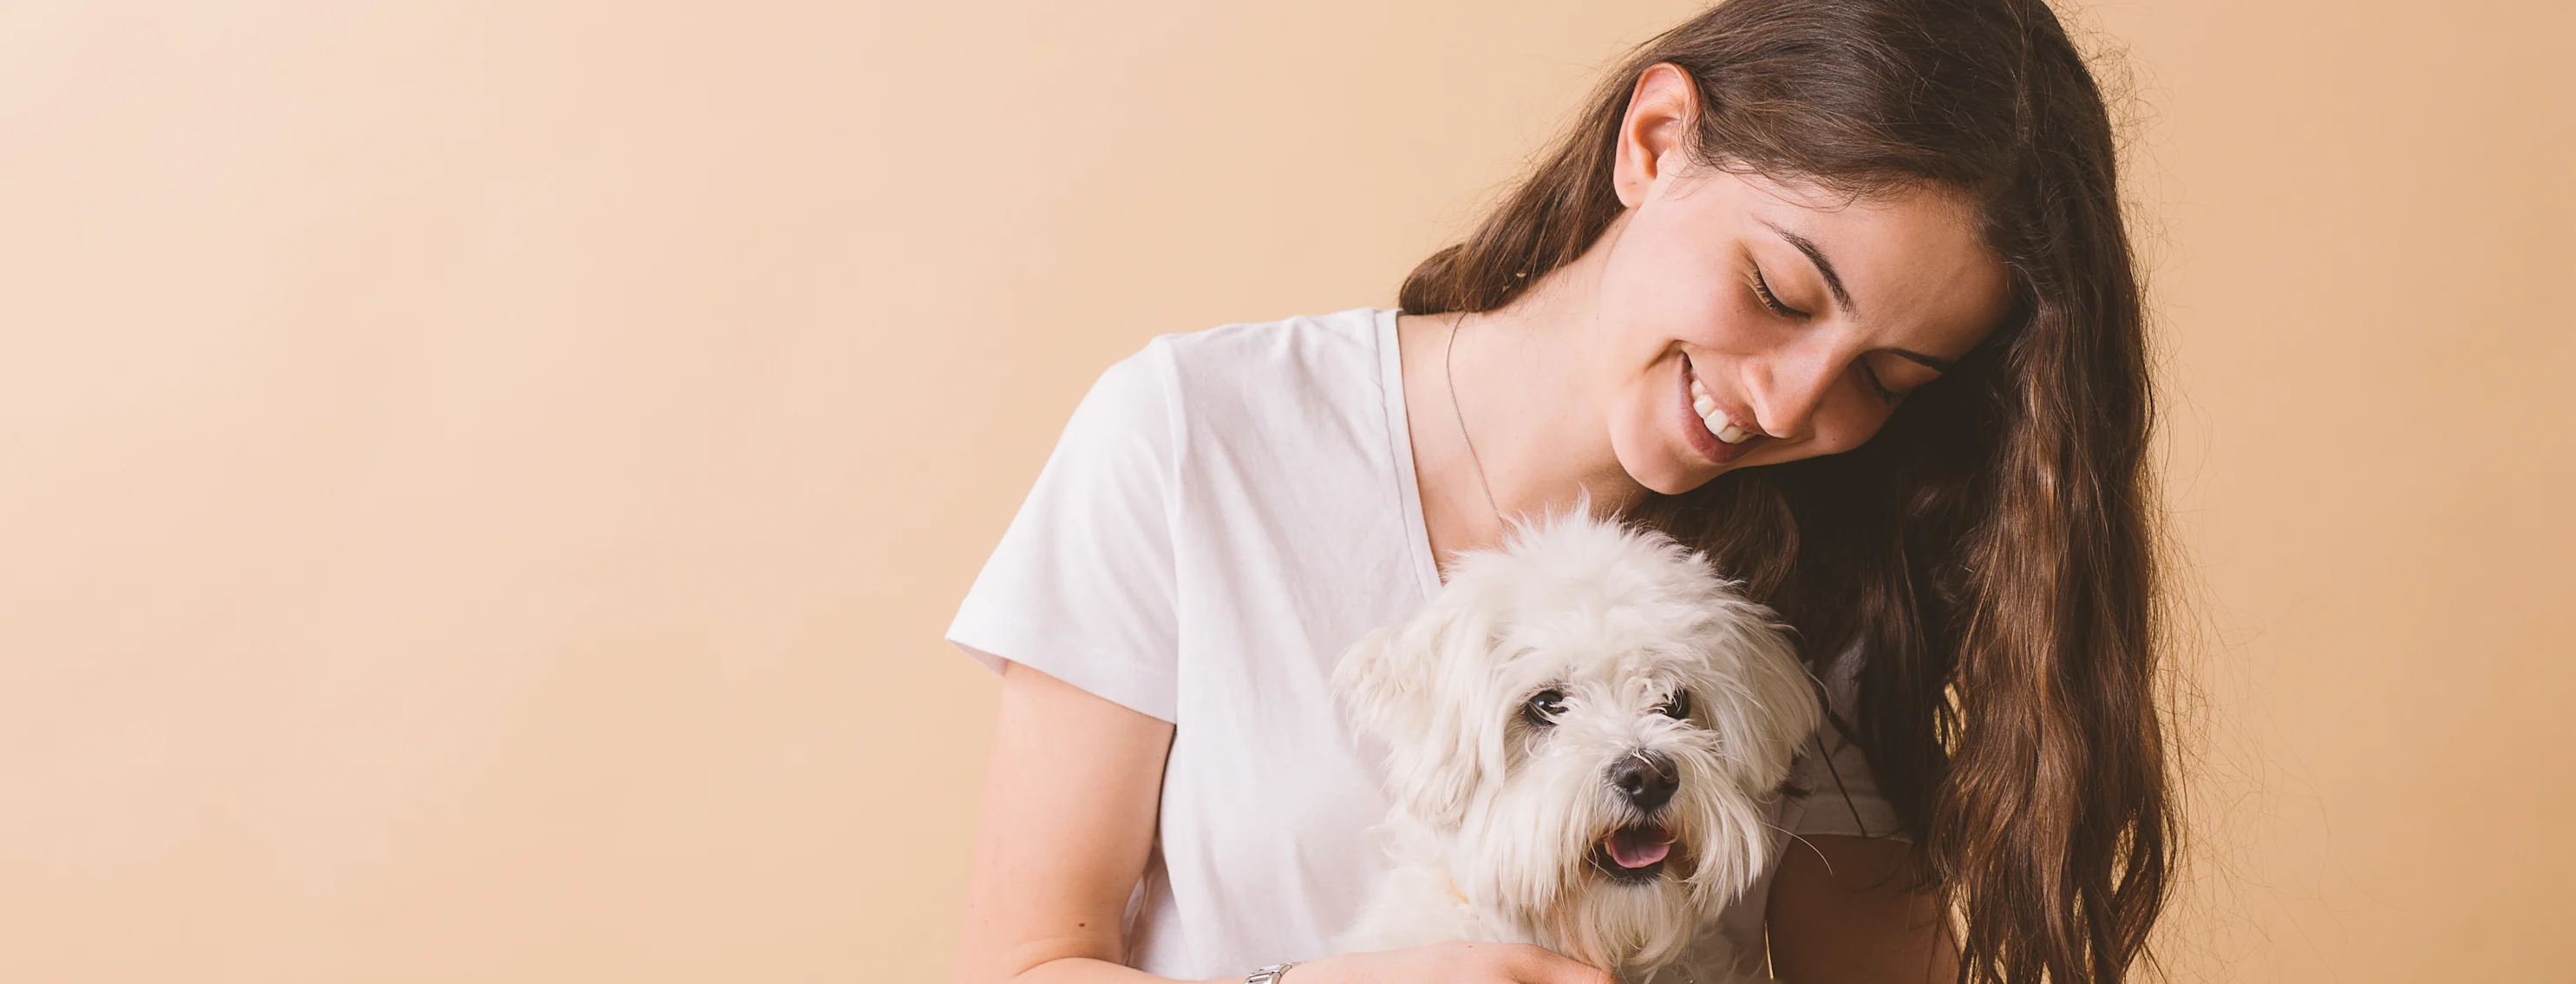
[1655, 459]
[1676, 474]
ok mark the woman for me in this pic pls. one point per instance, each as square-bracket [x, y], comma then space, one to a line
[1837, 290]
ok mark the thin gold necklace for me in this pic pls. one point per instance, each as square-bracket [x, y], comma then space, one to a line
[1451, 377]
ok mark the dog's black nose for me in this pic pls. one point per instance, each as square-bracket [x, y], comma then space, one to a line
[1647, 778]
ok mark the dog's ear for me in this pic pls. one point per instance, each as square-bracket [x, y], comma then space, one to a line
[1779, 709]
[1414, 686]
[1762, 709]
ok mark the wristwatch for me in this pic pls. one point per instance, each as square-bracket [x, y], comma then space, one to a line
[1269, 974]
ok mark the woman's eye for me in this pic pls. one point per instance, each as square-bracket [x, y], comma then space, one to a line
[1876, 386]
[1676, 708]
[1543, 707]
[1762, 290]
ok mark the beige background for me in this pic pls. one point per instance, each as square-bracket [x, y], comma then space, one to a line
[481, 484]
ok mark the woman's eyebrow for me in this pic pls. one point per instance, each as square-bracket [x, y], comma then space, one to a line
[1933, 362]
[1833, 281]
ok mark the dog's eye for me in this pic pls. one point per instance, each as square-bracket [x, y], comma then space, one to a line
[1676, 708]
[1543, 707]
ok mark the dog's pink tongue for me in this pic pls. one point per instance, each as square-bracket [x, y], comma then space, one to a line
[1638, 848]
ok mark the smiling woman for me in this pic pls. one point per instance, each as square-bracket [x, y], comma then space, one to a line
[1879, 248]
[1728, 296]
[1834, 290]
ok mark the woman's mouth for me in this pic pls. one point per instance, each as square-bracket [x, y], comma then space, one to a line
[1710, 430]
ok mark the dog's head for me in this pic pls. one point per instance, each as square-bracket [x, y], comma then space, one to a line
[1595, 719]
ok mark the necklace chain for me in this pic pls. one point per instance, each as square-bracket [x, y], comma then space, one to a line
[1450, 375]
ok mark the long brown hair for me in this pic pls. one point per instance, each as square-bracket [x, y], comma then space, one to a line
[1989, 550]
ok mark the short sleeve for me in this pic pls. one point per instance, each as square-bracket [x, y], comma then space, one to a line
[1081, 586]
[1841, 792]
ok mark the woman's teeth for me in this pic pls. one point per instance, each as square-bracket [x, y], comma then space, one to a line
[1715, 422]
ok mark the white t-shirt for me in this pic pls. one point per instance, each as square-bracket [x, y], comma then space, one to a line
[1226, 511]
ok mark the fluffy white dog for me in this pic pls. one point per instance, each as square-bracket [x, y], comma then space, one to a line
[1585, 731]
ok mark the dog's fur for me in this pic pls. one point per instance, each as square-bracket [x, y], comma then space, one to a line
[1503, 814]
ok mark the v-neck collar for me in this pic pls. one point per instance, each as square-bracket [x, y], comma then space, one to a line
[1400, 444]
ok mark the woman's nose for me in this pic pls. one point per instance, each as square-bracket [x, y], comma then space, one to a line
[1788, 390]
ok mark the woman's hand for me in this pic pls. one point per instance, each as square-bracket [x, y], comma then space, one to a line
[1450, 963]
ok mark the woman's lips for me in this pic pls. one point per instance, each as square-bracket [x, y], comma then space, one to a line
[1695, 427]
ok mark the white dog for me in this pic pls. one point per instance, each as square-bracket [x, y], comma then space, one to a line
[1585, 732]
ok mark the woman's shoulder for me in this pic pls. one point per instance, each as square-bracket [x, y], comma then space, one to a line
[1238, 381]
[1278, 404]
[1294, 359]
[1305, 383]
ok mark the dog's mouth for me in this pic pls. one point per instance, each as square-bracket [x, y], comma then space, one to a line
[1634, 853]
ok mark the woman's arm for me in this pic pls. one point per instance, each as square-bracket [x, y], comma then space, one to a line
[1068, 820]
[1842, 913]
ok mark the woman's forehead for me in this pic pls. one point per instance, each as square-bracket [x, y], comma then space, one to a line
[1912, 257]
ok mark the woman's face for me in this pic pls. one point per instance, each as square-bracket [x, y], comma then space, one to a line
[1745, 322]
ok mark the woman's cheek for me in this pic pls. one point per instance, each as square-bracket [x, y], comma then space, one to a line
[1846, 421]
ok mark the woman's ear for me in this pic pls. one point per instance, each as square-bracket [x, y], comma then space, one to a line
[1661, 106]
[1412, 685]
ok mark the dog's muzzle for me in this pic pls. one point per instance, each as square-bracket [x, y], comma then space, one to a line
[1638, 852]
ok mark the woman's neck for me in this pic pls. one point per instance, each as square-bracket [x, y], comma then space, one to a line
[1528, 387]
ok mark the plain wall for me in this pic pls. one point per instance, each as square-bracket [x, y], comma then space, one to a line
[481, 484]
